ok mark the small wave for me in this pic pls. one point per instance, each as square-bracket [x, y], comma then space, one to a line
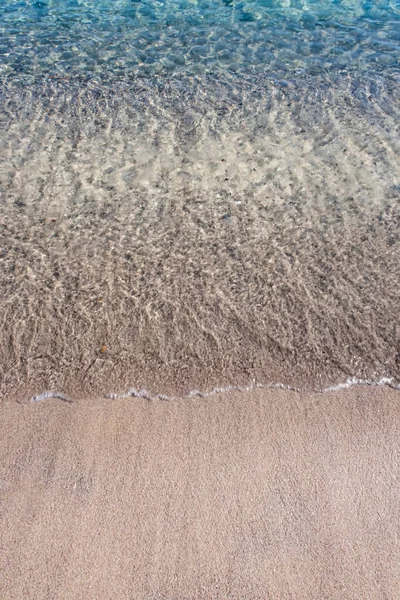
[142, 393]
[134, 393]
[389, 381]
[48, 395]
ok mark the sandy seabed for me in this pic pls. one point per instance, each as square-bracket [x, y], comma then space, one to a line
[267, 494]
[198, 233]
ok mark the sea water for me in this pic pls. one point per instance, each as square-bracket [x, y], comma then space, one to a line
[198, 194]
[121, 38]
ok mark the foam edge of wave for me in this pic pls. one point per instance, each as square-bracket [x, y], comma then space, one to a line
[143, 393]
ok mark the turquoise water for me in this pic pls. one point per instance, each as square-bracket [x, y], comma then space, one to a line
[133, 37]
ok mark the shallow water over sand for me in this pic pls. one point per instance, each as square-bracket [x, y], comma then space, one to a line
[187, 232]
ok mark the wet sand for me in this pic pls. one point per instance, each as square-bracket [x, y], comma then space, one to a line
[269, 494]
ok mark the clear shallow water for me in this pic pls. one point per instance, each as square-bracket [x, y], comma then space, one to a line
[197, 195]
[127, 37]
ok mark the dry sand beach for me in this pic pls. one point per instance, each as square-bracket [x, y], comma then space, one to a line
[269, 494]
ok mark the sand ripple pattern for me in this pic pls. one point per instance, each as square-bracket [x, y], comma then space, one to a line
[187, 233]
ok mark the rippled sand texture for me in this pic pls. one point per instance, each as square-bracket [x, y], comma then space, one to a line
[270, 495]
[179, 233]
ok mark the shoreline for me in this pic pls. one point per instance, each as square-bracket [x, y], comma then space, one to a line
[152, 394]
[389, 382]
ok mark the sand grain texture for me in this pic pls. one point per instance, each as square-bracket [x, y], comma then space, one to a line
[268, 494]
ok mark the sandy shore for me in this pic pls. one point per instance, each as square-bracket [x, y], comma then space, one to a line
[262, 495]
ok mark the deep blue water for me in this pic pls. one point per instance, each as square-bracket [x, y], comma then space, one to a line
[140, 37]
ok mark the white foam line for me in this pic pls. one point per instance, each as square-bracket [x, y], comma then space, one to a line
[48, 395]
[142, 393]
[389, 381]
[133, 393]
